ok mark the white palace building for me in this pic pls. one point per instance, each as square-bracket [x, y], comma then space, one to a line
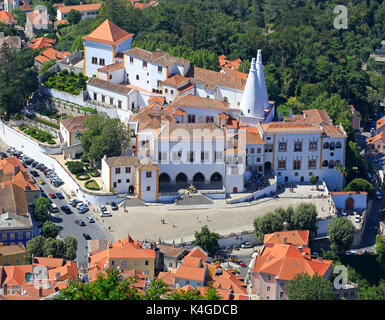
[192, 126]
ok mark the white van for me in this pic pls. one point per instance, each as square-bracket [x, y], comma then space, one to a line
[54, 208]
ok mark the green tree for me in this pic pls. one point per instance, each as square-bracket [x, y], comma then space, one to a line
[360, 184]
[75, 166]
[380, 249]
[313, 179]
[305, 287]
[74, 16]
[207, 240]
[54, 247]
[34, 248]
[41, 207]
[158, 289]
[49, 230]
[305, 218]
[271, 222]
[70, 248]
[20, 16]
[341, 234]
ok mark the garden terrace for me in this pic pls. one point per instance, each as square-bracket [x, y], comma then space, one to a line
[38, 134]
[67, 81]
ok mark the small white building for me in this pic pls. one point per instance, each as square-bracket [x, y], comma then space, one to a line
[69, 129]
[87, 10]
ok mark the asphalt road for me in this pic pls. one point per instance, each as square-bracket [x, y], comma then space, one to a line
[65, 222]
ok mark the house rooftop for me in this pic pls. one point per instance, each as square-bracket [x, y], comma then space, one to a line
[109, 33]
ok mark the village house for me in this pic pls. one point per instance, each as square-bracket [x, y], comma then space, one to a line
[90, 10]
[7, 18]
[37, 21]
[12, 254]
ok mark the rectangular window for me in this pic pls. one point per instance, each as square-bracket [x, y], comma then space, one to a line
[119, 180]
[117, 170]
[110, 76]
[191, 118]
[94, 60]
[112, 262]
[297, 146]
[165, 90]
[191, 156]
[218, 156]
[20, 235]
[172, 91]
[95, 96]
[128, 169]
[268, 288]
[296, 164]
[144, 64]
[101, 62]
[131, 60]
[282, 146]
[159, 83]
[148, 188]
[119, 104]
[146, 263]
[268, 277]
[259, 150]
[209, 119]
[111, 101]
[12, 235]
[127, 180]
[103, 98]
[28, 235]
[312, 164]
[252, 150]
[136, 263]
[148, 174]
[124, 263]
[269, 147]
[313, 145]
[281, 164]
[281, 295]
[160, 69]
[115, 184]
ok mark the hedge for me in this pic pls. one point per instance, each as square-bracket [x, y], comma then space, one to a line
[48, 123]
[38, 134]
[92, 185]
[86, 176]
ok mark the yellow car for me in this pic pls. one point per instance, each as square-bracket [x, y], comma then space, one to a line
[41, 181]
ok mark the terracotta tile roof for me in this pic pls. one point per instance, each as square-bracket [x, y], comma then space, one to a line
[112, 67]
[186, 87]
[141, 6]
[122, 161]
[228, 280]
[192, 261]
[67, 271]
[158, 57]
[12, 200]
[148, 164]
[60, 22]
[11, 165]
[35, 21]
[191, 101]
[212, 79]
[156, 99]
[291, 127]
[12, 42]
[7, 18]
[39, 43]
[11, 250]
[175, 80]
[170, 251]
[57, 5]
[317, 116]
[295, 237]
[179, 112]
[80, 7]
[223, 62]
[74, 124]
[285, 261]
[380, 136]
[42, 59]
[110, 86]
[347, 192]
[17, 297]
[198, 252]
[380, 123]
[109, 33]
[48, 262]
[168, 277]
[190, 273]
[235, 73]
[22, 180]
[254, 138]
[150, 118]
[26, 7]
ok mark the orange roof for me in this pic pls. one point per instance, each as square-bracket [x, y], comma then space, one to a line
[39, 43]
[179, 112]
[168, 277]
[286, 261]
[186, 87]
[197, 252]
[112, 67]
[282, 126]
[49, 261]
[9, 165]
[190, 273]
[223, 116]
[60, 22]
[192, 261]
[156, 99]
[296, 237]
[380, 136]
[108, 32]
[348, 192]
[380, 123]
[42, 59]
[141, 6]
[22, 180]
[53, 54]
[68, 271]
[80, 7]
[254, 138]
[175, 80]
[317, 115]
[228, 280]
[6, 17]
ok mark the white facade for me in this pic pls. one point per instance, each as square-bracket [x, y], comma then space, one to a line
[92, 13]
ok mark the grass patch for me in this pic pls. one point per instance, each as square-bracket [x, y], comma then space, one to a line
[92, 185]
[88, 109]
[40, 135]
[83, 176]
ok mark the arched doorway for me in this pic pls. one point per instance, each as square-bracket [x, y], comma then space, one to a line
[302, 179]
[286, 179]
[349, 203]
[131, 189]
[267, 167]
[164, 178]
[216, 178]
[199, 178]
[181, 178]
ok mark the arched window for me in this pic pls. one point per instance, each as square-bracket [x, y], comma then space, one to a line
[225, 99]
[137, 77]
[326, 145]
[325, 163]
[332, 145]
[331, 164]
[338, 145]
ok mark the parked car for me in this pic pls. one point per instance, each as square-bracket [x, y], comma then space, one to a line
[42, 168]
[84, 210]
[80, 204]
[114, 206]
[34, 164]
[3, 154]
[246, 245]
[344, 213]
[57, 183]
[378, 195]
[73, 202]
[242, 264]
[106, 214]
[34, 173]
[90, 219]
[357, 219]
[59, 195]
[54, 208]
[86, 236]
[52, 195]
[103, 208]
[38, 166]
[66, 209]
[80, 222]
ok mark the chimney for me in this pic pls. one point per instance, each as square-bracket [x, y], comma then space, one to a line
[57, 276]
[5, 289]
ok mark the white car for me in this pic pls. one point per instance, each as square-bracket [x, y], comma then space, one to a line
[378, 195]
[357, 219]
[106, 214]
[90, 219]
[79, 204]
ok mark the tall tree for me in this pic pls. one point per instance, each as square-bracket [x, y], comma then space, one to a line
[207, 240]
[49, 230]
[305, 287]
[74, 16]
[41, 207]
[341, 234]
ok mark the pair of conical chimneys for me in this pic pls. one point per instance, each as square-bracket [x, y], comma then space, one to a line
[254, 99]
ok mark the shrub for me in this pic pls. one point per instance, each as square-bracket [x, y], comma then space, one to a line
[94, 173]
[83, 176]
[75, 167]
[51, 142]
[92, 185]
